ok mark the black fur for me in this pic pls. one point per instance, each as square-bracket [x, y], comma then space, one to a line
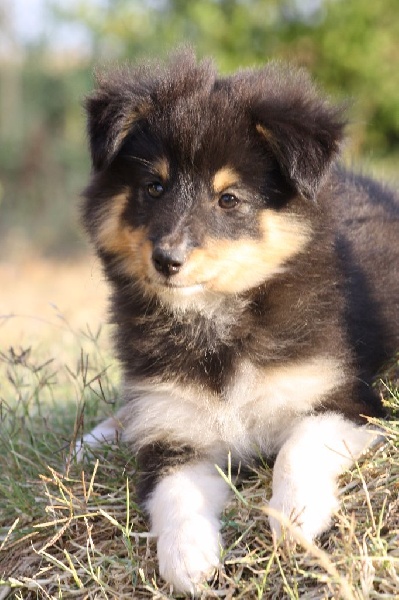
[339, 296]
[159, 459]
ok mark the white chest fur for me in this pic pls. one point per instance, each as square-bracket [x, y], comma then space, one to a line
[256, 413]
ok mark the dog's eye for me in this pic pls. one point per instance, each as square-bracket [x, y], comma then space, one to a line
[155, 189]
[228, 201]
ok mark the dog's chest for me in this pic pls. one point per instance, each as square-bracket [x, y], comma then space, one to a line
[192, 350]
[261, 404]
[194, 381]
[253, 413]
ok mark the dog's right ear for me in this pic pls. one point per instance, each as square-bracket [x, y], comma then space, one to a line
[113, 110]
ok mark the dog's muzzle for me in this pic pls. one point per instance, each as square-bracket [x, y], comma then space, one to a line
[168, 260]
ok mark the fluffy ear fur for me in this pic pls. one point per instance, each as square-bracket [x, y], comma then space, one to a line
[301, 128]
[129, 95]
[112, 111]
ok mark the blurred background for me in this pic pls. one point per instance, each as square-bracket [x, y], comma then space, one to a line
[48, 49]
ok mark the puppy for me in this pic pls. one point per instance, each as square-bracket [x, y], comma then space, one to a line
[254, 290]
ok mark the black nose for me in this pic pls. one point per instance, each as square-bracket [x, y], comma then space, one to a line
[168, 261]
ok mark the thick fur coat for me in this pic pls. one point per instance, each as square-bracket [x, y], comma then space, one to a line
[255, 292]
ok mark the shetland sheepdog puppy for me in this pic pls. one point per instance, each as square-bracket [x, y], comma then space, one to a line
[255, 292]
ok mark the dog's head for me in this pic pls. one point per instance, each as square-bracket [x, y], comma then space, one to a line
[204, 186]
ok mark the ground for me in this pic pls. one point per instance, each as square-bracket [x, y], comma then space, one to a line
[40, 295]
[73, 531]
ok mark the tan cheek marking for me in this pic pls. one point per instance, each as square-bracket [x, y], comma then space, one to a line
[131, 246]
[224, 178]
[138, 261]
[236, 266]
[109, 228]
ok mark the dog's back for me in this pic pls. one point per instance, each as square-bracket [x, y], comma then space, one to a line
[367, 215]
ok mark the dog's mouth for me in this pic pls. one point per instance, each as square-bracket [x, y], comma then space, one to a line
[182, 288]
[160, 283]
[182, 296]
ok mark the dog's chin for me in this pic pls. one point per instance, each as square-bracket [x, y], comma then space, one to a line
[181, 297]
[183, 290]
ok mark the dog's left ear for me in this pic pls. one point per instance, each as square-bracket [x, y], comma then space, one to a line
[301, 128]
[125, 98]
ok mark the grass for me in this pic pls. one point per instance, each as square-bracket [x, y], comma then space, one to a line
[73, 531]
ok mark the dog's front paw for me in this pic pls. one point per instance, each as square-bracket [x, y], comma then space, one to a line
[106, 432]
[309, 512]
[305, 473]
[190, 554]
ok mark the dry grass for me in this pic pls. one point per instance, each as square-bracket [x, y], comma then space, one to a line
[73, 532]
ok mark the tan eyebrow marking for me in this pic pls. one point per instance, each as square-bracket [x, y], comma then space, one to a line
[224, 178]
[161, 167]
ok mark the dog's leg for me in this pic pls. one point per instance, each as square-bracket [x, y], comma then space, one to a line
[306, 470]
[184, 506]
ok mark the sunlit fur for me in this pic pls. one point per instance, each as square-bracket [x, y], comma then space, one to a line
[218, 267]
[254, 292]
[224, 178]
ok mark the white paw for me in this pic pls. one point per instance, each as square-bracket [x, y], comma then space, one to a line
[305, 474]
[309, 511]
[84, 447]
[106, 432]
[189, 555]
